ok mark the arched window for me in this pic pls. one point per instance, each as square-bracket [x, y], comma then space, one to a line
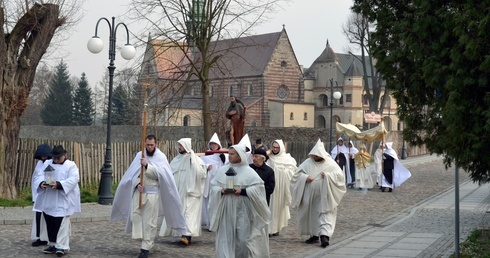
[187, 120]
[254, 123]
[250, 89]
[305, 116]
[325, 100]
[291, 116]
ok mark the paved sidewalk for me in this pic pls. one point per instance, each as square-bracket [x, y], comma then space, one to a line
[428, 230]
[416, 220]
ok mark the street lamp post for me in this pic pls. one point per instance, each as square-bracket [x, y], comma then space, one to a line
[333, 95]
[95, 45]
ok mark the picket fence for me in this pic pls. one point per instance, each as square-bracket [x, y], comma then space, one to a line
[89, 157]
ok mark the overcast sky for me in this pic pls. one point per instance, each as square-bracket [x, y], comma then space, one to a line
[309, 23]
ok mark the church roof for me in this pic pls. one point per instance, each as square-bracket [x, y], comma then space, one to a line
[241, 57]
[328, 55]
[353, 71]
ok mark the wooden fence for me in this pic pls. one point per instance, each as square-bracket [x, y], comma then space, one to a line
[89, 157]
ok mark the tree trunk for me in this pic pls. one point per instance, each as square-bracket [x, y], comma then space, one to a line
[206, 109]
[20, 53]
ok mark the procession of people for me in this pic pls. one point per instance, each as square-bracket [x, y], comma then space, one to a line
[243, 196]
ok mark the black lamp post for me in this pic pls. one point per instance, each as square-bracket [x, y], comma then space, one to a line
[95, 45]
[333, 95]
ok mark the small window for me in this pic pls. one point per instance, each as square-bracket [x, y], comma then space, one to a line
[348, 98]
[365, 100]
[325, 100]
[254, 123]
[291, 116]
[211, 91]
[305, 116]
[187, 120]
[341, 100]
[231, 91]
[250, 89]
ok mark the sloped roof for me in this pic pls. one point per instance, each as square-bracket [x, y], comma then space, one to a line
[246, 56]
[328, 55]
[241, 57]
[348, 60]
[353, 71]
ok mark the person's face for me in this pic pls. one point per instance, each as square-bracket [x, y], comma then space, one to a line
[317, 158]
[258, 160]
[44, 158]
[233, 99]
[340, 142]
[60, 159]
[234, 157]
[213, 146]
[181, 149]
[350, 145]
[275, 148]
[150, 145]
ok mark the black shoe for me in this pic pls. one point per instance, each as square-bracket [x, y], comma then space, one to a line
[143, 253]
[382, 189]
[324, 239]
[60, 252]
[391, 190]
[275, 234]
[50, 250]
[39, 243]
[312, 240]
[185, 240]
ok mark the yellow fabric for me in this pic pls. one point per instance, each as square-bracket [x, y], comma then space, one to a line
[362, 158]
[370, 135]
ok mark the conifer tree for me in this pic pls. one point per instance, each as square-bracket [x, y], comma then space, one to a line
[58, 106]
[121, 109]
[83, 105]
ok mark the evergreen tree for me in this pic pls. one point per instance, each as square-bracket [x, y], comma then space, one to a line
[58, 105]
[435, 57]
[83, 105]
[121, 107]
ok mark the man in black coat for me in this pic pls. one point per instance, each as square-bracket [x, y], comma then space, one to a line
[265, 172]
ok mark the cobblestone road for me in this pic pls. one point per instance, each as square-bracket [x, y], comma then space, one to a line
[358, 210]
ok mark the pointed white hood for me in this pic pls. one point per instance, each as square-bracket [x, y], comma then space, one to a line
[215, 139]
[319, 150]
[246, 142]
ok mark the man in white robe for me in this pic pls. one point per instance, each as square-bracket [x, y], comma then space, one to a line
[340, 154]
[190, 176]
[213, 162]
[378, 164]
[38, 232]
[58, 200]
[394, 173]
[317, 187]
[158, 194]
[284, 166]
[239, 216]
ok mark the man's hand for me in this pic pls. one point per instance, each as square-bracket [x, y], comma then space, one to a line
[140, 188]
[233, 112]
[309, 179]
[143, 162]
[238, 191]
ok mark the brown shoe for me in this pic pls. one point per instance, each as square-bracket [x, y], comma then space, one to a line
[312, 240]
[324, 239]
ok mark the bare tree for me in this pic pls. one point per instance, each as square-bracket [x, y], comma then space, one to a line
[358, 30]
[193, 26]
[27, 31]
[39, 91]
